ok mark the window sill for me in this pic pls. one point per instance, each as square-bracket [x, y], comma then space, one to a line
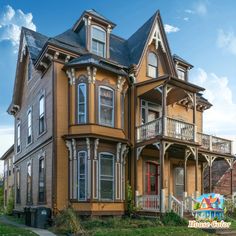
[41, 134]
[28, 144]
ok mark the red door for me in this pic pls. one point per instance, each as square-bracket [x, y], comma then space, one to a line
[152, 176]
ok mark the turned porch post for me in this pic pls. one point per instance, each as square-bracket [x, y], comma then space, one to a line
[210, 178]
[194, 118]
[164, 98]
[231, 182]
[162, 190]
[196, 173]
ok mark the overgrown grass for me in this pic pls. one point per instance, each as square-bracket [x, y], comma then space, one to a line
[14, 231]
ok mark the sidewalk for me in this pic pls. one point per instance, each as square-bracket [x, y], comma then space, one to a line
[40, 232]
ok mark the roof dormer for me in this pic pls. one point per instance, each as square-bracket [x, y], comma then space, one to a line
[182, 67]
[94, 31]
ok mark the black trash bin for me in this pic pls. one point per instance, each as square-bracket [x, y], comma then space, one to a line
[27, 216]
[42, 217]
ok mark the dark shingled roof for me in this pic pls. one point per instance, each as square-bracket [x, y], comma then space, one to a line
[99, 15]
[124, 52]
[137, 41]
[91, 59]
[178, 58]
[35, 42]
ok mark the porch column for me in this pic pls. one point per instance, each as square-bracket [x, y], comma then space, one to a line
[194, 118]
[210, 178]
[162, 190]
[231, 182]
[196, 173]
[185, 177]
[164, 97]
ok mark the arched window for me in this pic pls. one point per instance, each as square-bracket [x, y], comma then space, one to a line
[82, 103]
[106, 106]
[98, 39]
[152, 65]
[106, 176]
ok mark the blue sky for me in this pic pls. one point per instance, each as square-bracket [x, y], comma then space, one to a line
[203, 32]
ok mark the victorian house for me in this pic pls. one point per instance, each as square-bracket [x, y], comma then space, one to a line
[94, 111]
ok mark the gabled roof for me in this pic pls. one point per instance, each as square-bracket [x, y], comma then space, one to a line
[137, 41]
[178, 58]
[7, 153]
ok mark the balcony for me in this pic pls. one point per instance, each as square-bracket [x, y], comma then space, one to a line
[215, 144]
[184, 131]
[174, 129]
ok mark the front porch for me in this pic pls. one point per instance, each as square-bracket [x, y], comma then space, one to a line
[170, 176]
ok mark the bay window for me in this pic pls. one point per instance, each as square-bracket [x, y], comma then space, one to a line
[82, 106]
[106, 106]
[106, 176]
[82, 175]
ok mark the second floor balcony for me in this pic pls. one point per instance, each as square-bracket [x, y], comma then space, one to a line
[184, 131]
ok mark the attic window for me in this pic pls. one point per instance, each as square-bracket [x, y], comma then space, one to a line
[152, 65]
[98, 41]
[181, 73]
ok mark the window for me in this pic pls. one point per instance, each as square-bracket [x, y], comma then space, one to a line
[82, 175]
[29, 69]
[152, 65]
[98, 41]
[150, 111]
[29, 184]
[82, 98]
[42, 195]
[106, 176]
[41, 114]
[18, 186]
[106, 106]
[181, 73]
[29, 127]
[18, 143]
[179, 182]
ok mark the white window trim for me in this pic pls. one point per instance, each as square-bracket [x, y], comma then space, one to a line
[99, 106]
[29, 111]
[45, 126]
[18, 138]
[148, 64]
[86, 175]
[181, 69]
[105, 42]
[113, 179]
[85, 103]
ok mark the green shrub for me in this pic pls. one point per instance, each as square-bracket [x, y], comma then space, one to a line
[172, 219]
[10, 204]
[196, 206]
[130, 200]
[68, 222]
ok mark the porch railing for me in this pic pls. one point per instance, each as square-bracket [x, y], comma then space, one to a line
[180, 130]
[149, 130]
[189, 203]
[176, 206]
[215, 144]
[148, 202]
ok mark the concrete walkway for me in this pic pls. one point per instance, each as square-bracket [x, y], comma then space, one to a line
[41, 232]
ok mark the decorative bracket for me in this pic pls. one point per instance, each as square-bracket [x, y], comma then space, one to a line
[230, 162]
[166, 146]
[138, 152]
[71, 75]
[69, 146]
[118, 151]
[120, 83]
[157, 145]
[74, 148]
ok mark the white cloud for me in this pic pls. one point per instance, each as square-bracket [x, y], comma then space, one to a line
[189, 11]
[186, 18]
[221, 118]
[171, 28]
[227, 41]
[11, 22]
[6, 141]
[201, 8]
